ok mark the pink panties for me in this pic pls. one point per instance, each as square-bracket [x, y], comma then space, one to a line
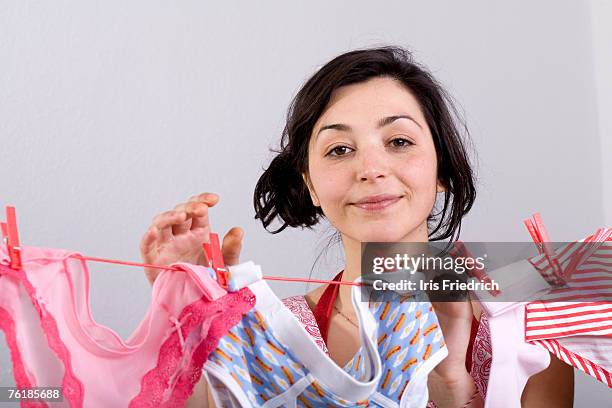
[54, 341]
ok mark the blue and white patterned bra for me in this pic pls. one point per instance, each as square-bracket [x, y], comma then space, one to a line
[269, 360]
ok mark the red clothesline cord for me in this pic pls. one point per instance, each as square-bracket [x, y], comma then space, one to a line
[276, 278]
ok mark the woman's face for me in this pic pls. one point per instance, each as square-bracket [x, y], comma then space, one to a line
[372, 163]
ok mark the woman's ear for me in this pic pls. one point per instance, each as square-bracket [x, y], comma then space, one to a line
[313, 195]
[440, 188]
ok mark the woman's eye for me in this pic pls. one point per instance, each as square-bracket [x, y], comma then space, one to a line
[401, 142]
[339, 151]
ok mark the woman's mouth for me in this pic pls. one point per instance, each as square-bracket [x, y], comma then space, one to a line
[377, 203]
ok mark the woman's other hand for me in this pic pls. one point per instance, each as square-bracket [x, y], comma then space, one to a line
[450, 384]
[177, 236]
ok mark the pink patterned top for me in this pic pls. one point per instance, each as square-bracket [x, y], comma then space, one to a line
[481, 350]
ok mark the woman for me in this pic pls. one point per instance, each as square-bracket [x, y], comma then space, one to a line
[372, 144]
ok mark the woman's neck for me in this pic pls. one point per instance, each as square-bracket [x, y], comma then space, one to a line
[352, 266]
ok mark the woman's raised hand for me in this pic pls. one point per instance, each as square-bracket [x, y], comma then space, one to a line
[177, 236]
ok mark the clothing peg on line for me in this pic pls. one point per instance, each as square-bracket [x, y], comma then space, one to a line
[214, 258]
[538, 233]
[11, 237]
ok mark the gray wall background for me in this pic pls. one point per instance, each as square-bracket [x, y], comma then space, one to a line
[111, 112]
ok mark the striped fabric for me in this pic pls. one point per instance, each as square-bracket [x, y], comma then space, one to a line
[575, 322]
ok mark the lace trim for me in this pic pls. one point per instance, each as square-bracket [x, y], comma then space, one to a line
[179, 369]
[21, 379]
[72, 388]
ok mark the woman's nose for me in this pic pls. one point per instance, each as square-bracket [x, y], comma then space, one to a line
[373, 164]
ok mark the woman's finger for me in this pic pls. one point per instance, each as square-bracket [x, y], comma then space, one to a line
[199, 215]
[182, 227]
[147, 250]
[148, 240]
[232, 245]
[210, 199]
[197, 209]
[166, 220]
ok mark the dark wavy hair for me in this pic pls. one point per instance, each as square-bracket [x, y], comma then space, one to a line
[281, 191]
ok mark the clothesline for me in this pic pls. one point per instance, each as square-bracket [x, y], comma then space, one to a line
[10, 237]
[276, 278]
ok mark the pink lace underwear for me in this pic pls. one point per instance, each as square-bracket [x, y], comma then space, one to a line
[54, 341]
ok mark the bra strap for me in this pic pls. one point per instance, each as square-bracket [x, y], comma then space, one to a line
[470, 348]
[322, 312]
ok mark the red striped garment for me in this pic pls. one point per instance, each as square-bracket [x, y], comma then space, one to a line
[575, 322]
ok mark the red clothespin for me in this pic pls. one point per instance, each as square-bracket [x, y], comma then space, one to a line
[214, 257]
[540, 238]
[11, 237]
